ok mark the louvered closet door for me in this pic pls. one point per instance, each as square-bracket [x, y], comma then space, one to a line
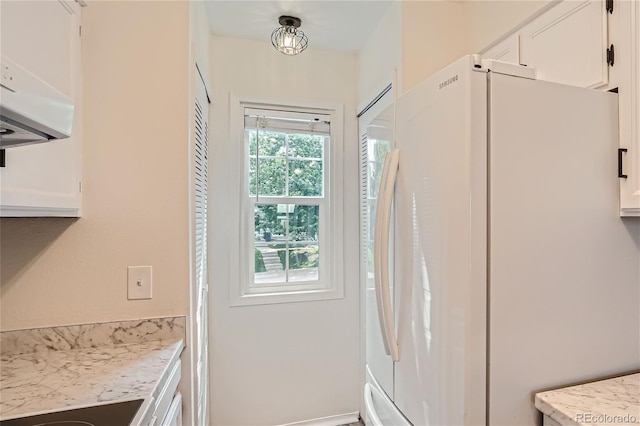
[376, 140]
[200, 165]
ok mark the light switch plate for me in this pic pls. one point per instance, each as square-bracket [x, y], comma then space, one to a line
[139, 282]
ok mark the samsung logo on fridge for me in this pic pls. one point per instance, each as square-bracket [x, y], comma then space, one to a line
[447, 82]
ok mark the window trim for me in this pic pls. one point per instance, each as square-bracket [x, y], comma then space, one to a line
[241, 276]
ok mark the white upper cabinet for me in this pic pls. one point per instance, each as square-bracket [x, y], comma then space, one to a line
[568, 44]
[508, 50]
[44, 37]
[628, 79]
[41, 36]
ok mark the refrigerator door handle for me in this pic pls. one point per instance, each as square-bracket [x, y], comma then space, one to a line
[381, 254]
[372, 416]
[376, 254]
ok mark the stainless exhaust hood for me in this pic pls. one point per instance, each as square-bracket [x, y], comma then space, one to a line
[31, 110]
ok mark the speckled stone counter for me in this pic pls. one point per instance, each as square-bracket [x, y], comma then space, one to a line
[51, 369]
[605, 402]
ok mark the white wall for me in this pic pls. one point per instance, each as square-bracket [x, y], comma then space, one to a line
[434, 34]
[199, 25]
[381, 55]
[135, 84]
[488, 20]
[280, 363]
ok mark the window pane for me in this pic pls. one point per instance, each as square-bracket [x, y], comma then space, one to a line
[305, 178]
[375, 173]
[251, 133]
[270, 144]
[270, 243]
[271, 176]
[371, 220]
[268, 261]
[269, 223]
[307, 146]
[304, 253]
[252, 176]
[303, 222]
[378, 149]
[303, 262]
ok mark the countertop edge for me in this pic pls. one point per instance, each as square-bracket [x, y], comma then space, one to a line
[548, 409]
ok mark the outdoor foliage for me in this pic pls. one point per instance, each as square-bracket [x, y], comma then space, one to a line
[259, 262]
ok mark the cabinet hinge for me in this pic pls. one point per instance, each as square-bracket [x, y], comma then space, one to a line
[610, 56]
[80, 187]
[620, 173]
[79, 30]
[609, 6]
[3, 158]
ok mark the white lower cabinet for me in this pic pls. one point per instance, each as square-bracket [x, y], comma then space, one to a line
[166, 406]
[174, 415]
[168, 394]
[548, 421]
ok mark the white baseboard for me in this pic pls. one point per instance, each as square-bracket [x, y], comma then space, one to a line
[340, 419]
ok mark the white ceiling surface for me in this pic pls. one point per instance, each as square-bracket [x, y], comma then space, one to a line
[331, 24]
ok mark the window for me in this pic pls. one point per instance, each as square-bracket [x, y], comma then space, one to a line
[288, 252]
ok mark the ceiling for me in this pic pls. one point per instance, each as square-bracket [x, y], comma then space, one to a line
[332, 24]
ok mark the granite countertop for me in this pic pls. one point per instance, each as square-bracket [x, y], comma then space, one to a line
[54, 369]
[611, 401]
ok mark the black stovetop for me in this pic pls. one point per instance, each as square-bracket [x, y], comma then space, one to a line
[116, 414]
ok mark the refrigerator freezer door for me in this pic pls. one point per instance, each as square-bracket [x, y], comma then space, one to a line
[564, 273]
[441, 248]
[379, 140]
[379, 409]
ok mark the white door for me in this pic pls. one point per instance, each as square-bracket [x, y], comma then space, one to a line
[376, 139]
[568, 44]
[441, 248]
[200, 198]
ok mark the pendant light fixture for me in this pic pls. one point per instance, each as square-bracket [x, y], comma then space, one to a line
[288, 38]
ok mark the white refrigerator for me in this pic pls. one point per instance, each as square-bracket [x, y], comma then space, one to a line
[501, 265]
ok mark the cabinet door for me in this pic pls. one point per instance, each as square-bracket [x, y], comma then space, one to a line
[174, 415]
[41, 36]
[568, 44]
[44, 179]
[507, 50]
[548, 421]
[630, 117]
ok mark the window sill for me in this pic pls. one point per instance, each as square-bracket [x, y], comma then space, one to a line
[249, 299]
